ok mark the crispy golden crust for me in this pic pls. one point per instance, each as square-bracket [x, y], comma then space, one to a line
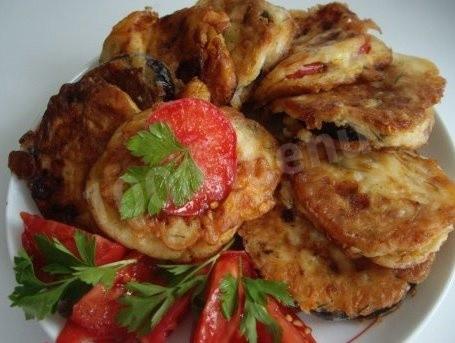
[72, 134]
[334, 48]
[189, 42]
[178, 238]
[394, 111]
[338, 60]
[286, 247]
[333, 16]
[130, 36]
[258, 36]
[390, 205]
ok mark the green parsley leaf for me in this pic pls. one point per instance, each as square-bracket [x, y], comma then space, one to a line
[155, 144]
[105, 275]
[185, 181]
[39, 299]
[137, 311]
[39, 305]
[256, 312]
[135, 175]
[170, 175]
[176, 269]
[86, 247]
[260, 288]
[228, 290]
[147, 303]
[248, 325]
[133, 202]
[55, 252]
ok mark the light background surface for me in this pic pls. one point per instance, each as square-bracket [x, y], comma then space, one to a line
[46, 43]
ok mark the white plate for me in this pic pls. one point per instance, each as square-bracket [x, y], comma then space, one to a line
[399, 326]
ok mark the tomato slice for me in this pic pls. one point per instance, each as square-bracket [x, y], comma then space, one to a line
[293, 329]
[96, 311]
[169, 322]
[73, 333]
[106, 250]
[213, 327]
[211, 139]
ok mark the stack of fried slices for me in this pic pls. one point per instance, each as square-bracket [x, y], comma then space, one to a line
[361, 213]
[346, 212]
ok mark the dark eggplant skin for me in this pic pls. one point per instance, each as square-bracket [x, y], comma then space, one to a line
[163, 77]
[145, 79]
[336, 316]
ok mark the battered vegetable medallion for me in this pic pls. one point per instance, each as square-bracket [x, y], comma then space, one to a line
[334, 48]
[393, 111]
[177, 181]
[322, 278]
[393, 206]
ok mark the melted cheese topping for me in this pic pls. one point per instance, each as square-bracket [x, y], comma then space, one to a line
[392, 204]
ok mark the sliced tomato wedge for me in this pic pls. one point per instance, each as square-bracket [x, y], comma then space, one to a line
[106, 250]
[169, 322]
[293, 329]
[211, 140]
[213, 327]
[73, 333]
[96, 311]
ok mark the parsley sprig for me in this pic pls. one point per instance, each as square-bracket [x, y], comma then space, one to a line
[257, 291]
[147, 303]
[170, 173]
[71, 274]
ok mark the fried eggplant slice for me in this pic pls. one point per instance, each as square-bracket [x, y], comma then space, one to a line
[189, 42]
[258, 36]
[57, 156]
[331, 51]
[286, 247]
[186, 238]
[392, 112]
[393, 206]
[130, 36]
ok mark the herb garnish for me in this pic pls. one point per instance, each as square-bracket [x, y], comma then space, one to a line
[70, 273]
[170, 174]
[257, 291]
[149, 302]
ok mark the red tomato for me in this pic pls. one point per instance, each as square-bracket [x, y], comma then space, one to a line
[97, 310]
[106, 251]
[169, 322]
[214, 328]
[308, 69]
[212, 325]
[293, 329]
[211, 139]
[72, 333]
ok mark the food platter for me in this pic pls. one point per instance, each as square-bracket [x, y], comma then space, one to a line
[412, 314]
